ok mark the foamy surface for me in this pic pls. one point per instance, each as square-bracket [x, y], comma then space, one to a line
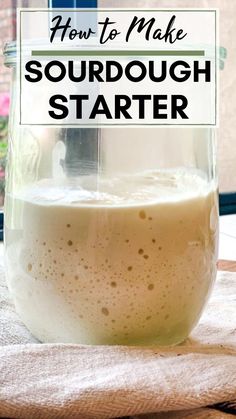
[134, 189]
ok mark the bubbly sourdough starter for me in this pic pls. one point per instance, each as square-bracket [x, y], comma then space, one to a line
[131, 264]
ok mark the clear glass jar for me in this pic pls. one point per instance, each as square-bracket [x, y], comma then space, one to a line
[110, 234]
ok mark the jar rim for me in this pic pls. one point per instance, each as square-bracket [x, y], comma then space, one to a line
[10, 53]
[11, 48]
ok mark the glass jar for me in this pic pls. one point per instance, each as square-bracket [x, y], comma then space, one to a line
[110, 234]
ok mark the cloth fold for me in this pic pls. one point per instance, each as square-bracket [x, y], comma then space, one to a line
[75, 381]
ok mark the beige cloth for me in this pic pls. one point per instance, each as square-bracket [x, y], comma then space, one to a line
[39, 381]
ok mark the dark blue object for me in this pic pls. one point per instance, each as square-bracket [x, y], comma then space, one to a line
[73, 4]
[228, 203]
[1, 225]
[78, 20]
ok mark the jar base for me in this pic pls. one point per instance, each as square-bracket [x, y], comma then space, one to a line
[145, 342]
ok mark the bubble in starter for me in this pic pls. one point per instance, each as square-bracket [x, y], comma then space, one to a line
[105, 311]
[142, 214]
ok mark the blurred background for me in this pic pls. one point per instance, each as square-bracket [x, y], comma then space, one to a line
[226, 132]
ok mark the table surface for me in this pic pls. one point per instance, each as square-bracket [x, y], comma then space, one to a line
[226, 265]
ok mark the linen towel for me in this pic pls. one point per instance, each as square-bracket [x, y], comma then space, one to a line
[43, 381]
